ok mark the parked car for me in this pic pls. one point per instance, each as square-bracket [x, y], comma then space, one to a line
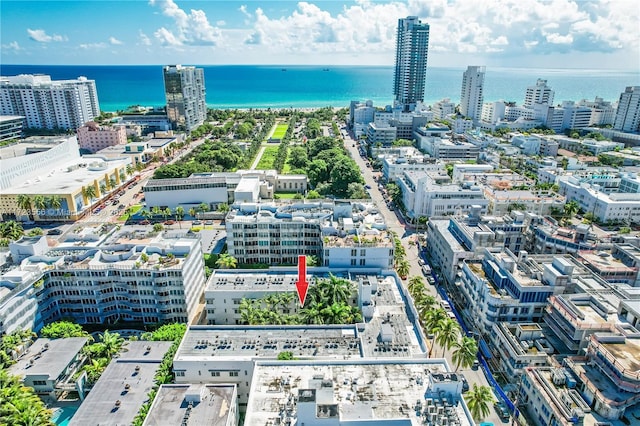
[445, 305]
[54, 232]
[196, 222]
[475, 365]
[502, 411]
[465, 384]
[368, 186]
[208, 222]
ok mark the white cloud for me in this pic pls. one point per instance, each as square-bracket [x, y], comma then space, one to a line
[91, 46]
[501, 27]
[191, 28]
[144, 39]
[114, 41]
[13, 46]
[41, 36]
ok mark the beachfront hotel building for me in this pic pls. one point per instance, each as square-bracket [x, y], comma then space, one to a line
[412, 46]
[628, 112]
[10, 127]
[54, 170]
[185, 93]
[49, 104]
[538, 94]
[471, 94]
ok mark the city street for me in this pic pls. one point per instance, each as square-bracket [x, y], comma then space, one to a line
[408, 237]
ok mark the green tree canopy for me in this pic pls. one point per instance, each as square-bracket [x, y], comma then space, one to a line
[62, 329]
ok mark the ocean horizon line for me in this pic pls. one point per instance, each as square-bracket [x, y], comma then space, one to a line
[462, 68]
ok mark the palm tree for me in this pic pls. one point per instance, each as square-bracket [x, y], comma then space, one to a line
[11, 230]
[478, 401]
[431, 319]
[156, 211]
[54, 202]
[403, 267]
[571, 208]
[123, 175]
[146, 214]
[203, 207]
[335, 290]
[111, 342]
[192, 212]
[336, 313]
[112, 182]
[39, 202]
[447, 333]
[226, 261]
[95, 369]
[130, 169]
[424, 303]
[465, 352]
[24, 202]
[312, 313]
[103, 189]
[416, 285]
[166, 213]
[180, 215]
[89, 193]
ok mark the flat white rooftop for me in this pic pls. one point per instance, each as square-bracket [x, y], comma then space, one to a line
[377, 391]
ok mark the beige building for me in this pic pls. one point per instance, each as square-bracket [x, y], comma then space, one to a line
[47, 179]
[93, 137]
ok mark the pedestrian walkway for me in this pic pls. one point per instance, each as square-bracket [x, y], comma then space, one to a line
[258, 157]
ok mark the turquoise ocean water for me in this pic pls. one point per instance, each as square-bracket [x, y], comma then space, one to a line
[315, 86]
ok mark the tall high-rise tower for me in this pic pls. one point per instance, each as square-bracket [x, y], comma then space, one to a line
[412, 46]
[471, 95]
[538, 94]
[628, 112]
[184, 89]
[46, 103]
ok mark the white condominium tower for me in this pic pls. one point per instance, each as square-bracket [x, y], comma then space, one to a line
[412, 45]
[471, 95]
[538, 94]
[186, 103]
[63, 104]
[628, 113]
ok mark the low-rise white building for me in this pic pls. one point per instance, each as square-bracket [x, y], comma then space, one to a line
[214, 189]
[341, 393]
[616, 206]
[551, 397]
[108, 276]
[506, 288]
[339, 233]
[540, 202]
[433, 194]
[48, 366]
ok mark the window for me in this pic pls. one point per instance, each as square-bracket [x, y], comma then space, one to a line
[233, 374]
[179, 373]
[39, 383]
[215, 374]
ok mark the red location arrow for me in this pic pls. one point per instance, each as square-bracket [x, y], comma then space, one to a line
[302, 285]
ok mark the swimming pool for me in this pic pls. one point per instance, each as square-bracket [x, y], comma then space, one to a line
[62, 415]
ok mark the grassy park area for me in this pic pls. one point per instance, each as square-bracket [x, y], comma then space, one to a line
[268, 156]
[132, 211]
[281, 130]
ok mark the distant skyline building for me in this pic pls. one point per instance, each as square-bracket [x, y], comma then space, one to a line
[471, 94]
[628, 113]
[412, 46]
[185, 93]
[538, 94]
[49, 104]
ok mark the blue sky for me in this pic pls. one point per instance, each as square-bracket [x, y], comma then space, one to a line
[600, 34]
